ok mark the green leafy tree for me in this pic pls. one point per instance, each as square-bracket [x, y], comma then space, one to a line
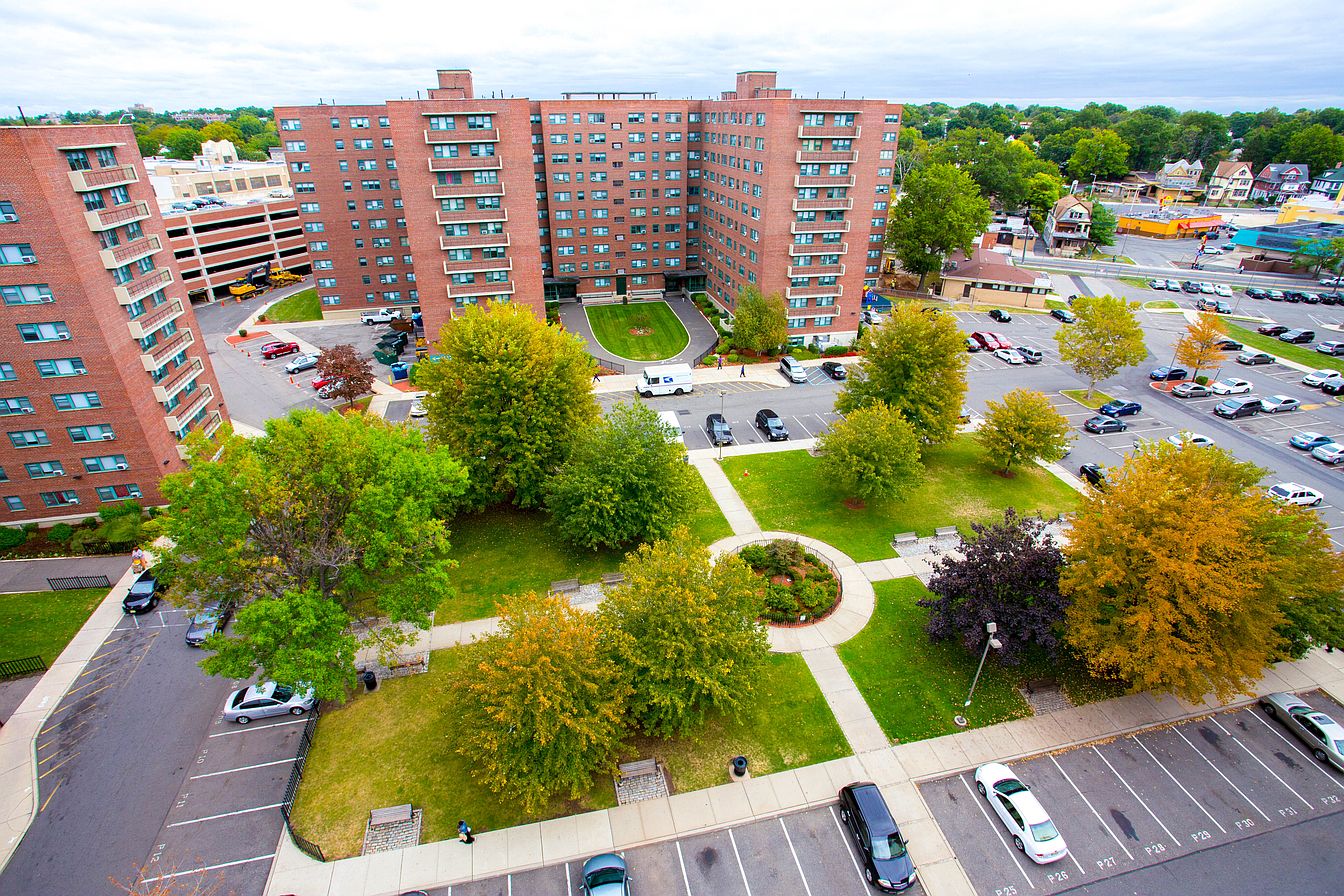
[1104, 223]
[183, 143]
[1201, 135]
[1102, 155]
[760, 323]
[685, 631]
[351, 373]
[510, 397]
[1320, 255]
[1043, 191]
[942, 210]
[1317, 147]
[999, 167]
[1106, 338]
[1024, 427]
[324, 522]
[872, 454]
[543, 710]
[916, 364]
[220, 130]
[624, 482]
[1149, 140]
[1091, 116]
[1059, 147]
[248, 125]
[1145, 608]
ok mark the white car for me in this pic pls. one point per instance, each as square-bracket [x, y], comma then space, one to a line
[1206, 288]
[1021, 813]
[380, 316]
[1332, 281]
[1276, 403]
[1320, 377]
[419, 410]
[1181, 439]
[1222, 289]
[1292, 493]
[1173, 286]
[1212, 250]
[1231, 386]
[1009, 355]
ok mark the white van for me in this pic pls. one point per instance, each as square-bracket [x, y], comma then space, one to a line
[669, 379]
[675, 432]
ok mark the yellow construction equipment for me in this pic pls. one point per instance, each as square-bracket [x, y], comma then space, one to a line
[261, 278]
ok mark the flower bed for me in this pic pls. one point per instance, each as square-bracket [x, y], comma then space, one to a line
[797, 586]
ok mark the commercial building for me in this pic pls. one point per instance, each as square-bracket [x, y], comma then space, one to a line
[1168, 224]
[991, 278]
[455, 199]
[1273, 247]
[215, 246]
[102, 374]
[216, 171]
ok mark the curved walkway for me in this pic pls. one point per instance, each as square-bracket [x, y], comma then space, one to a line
[703, 336]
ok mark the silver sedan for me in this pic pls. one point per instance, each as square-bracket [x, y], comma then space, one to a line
[1322, 734]
[267, 699]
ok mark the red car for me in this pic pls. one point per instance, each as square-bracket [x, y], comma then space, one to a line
[320, 381]
[278, 349]
[988, 341]
[1002, 340]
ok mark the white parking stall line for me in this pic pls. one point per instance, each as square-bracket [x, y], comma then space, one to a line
[849, 850]
[738, 856]
[150, 880]
[1145, 749]
[789, 840]
[1089, 805]
[245, 768]
[178, 824]
[995, 828]
[1238, 742]
[799, 421]
[245, 728]
[681, 860]
[1174, 840]
[1219, 771]
[1296, 746]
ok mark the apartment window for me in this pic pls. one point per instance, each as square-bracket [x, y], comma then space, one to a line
[11, 406]
[76, 401]
[326, 282]
[78, 160]
[105, 463]
[29, 438]
[295, 146]
[889, 136]
[462, 279]
[306, 187]
[635, 118]
[45, 332]
[359, 122]
[323, 264]
[557, 118]
[118, 492]
[55, 367]
[59, 499]
[309, 208]
[442, 123]
[44, 469]
[17, 253]
[14, 503]
[27, 294]
[370, 185]
[7, 372]
[291, 124]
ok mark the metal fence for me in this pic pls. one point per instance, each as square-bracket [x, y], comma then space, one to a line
[72, 583]
[27, 665]
[292, 788]
[604, 364]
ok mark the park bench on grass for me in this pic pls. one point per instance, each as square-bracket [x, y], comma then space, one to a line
[904, 538]
[612, 578]
[565, 586]
[627, 770]
[946, 531]
[390, 815]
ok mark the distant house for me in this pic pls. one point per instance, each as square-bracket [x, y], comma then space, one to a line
[1178, 181]
[1231, 182]
[1068, 226]
[1329, 184]
[989, 276]
[1279, 182]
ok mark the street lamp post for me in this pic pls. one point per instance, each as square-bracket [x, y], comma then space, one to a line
[722, 392]
[990, 629]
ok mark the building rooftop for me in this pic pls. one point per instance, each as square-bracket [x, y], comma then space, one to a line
[987, 265]
[1287, 237]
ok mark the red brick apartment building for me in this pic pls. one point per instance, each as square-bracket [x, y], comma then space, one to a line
[102, 372]
[455, 199]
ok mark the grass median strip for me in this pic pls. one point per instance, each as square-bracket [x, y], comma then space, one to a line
[1098, 398]
[641, 331]
[1287, 351]
[41, 623]
[303, 305]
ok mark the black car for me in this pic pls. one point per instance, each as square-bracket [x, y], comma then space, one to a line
[1190, 286]
[972, 345]
[882, 850]
[1165, 373]
[1232, 408]
[718, 430]
[1228, 345]
[1101, 425]
[1000, 315]
[1271, 329]
[768, 422]
[834, 369]
[1063, 315]
[144, 594]
[1094, 473]
[1256, 292]
[1292, 295]
[1298, 337]
[209, 620]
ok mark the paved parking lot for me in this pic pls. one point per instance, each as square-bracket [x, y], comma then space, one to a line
[1144, 799]
[806, 853]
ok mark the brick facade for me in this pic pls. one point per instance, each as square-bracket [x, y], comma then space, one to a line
[123, 359]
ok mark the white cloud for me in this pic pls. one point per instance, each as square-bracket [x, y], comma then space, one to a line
[173, 56]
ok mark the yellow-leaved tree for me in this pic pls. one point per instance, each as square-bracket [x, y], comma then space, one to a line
[1200, 347]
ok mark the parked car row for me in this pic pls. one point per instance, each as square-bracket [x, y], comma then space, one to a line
[1297, 295]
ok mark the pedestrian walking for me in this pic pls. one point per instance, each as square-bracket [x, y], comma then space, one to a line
[743, 373]
[464, 832]
[719, 358]
[597, 376]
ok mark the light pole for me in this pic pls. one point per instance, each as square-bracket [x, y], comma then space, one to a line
[722, 392]
[990, 629]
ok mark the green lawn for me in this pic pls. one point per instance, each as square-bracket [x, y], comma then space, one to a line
[395, 746]
[1056, 303]
[661, 335]
[1160, 304]
[787, 492]
[1137, 282]
[1098, 398]
[505, 550]
[42, 623]
[1297, 353]
[303, 305]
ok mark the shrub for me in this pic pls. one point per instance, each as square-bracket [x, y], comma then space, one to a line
[11, 537]
[88, 541]
[89, 522]
[834, 351]
[814, 597]
[784, 555]
[242, 332]
[60, 533]
[125, 508]
[754, 555]
[120, 533]
[29, 528]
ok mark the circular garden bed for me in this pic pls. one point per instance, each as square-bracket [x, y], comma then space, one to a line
[797, 587]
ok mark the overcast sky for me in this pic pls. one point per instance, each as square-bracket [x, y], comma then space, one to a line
[1219, 54]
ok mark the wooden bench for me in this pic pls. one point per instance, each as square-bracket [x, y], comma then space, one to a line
[612, 578]
[945, 531]
[564, 586]
[390, 815]
[634, 769]
[905, 538]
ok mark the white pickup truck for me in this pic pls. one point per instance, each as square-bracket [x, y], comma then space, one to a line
[381, 316]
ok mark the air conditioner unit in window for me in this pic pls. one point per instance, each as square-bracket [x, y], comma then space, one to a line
[62, 335]
[47, 298]
[58, 472]
[9, 219]
[73, 501]
[79, 371]
[121, 466]
[27, 410]
[107, 436]
[28, 259]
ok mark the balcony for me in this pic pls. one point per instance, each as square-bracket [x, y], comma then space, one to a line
[817, 270]
[473, 216]
[107, 218]
[480, 289]
[805, 292]
[159, 354]
[467, 163]
[474, 241]
[455, 191]
[179, 380]
[819, 227]
[120, 255]
[101, 178]
[478, 264]
[156, 319]
[825, 180]
[827, 157]
[142, 286]
[179, 418]
[823, 205]
[483, 135]
[818, 249]
[829, 130]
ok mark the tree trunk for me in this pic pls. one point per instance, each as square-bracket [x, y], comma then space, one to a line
[922, 275]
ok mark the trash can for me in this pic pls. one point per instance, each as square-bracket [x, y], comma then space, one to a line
[739, 765]
[369, 679]
[401, 370]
